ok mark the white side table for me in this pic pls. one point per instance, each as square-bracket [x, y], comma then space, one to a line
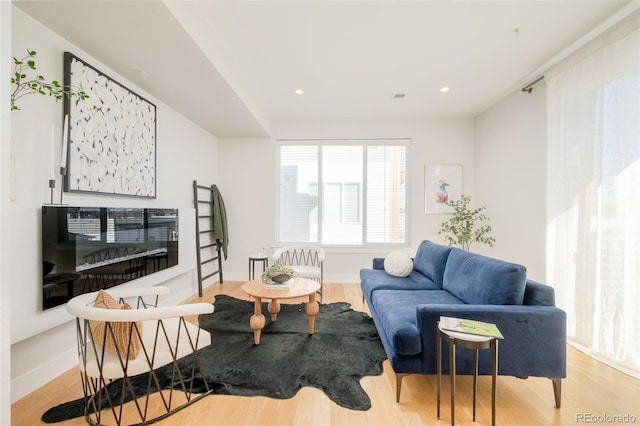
[476, 343]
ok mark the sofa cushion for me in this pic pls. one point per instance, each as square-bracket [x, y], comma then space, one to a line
[376, 279]
[481, 280]
[430, 260]
[398, 264]
[396, 313]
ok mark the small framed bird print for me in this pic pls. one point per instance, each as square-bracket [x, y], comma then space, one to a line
[442, 183]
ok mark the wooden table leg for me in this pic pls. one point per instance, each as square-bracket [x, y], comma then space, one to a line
[257, 321]
[312, 308]
[274, 308]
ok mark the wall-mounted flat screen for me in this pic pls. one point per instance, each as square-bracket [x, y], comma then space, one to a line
[86, 249]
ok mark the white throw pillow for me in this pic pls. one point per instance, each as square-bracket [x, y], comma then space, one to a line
[398, 264]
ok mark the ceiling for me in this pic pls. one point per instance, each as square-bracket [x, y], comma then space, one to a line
[233, 66]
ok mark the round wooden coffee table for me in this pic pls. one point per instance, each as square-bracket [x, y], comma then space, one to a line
[301, 287]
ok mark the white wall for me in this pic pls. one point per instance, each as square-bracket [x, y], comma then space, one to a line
[248, 183]
[44, 342]
[511, 177]
[5, 289]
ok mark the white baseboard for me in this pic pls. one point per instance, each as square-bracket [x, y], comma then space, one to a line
[342, 278]
[43, 373]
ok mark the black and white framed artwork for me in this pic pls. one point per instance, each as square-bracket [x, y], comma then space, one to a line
[111, 135]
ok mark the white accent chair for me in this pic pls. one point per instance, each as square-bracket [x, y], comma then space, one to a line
[165, 335]
[307, 261]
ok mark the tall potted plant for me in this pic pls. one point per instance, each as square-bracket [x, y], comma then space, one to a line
[466, 225]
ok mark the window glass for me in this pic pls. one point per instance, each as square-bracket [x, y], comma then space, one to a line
[348, 193]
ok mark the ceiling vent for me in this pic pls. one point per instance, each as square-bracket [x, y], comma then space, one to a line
[398, 96]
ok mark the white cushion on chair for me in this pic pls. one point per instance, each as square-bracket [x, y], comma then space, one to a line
[307, 271]
[112, 368]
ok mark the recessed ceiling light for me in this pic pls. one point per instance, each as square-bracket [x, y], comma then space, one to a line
[299, 92]
[444, 89]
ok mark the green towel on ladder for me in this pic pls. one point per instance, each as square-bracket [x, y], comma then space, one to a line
[220, 232]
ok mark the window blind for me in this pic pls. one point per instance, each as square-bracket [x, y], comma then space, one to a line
[343, 193]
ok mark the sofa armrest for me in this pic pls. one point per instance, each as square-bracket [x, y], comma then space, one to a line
[378, 263]
[536, 293]
[534, 344]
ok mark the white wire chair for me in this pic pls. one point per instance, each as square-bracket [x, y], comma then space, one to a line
[165, 337]
[307, 261]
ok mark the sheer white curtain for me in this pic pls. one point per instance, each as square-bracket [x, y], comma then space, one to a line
[593, 186]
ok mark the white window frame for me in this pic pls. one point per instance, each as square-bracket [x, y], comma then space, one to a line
[406, 142]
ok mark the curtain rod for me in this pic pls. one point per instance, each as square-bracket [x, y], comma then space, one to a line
[529, 87]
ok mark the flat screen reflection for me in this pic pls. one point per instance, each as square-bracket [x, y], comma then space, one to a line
[86, 249]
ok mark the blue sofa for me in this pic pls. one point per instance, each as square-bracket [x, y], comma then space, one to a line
[447, 281]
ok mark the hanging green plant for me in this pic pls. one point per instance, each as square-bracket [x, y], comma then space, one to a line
[466, 225]
[26, 81]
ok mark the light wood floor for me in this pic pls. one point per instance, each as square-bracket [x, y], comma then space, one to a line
[591, 389]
